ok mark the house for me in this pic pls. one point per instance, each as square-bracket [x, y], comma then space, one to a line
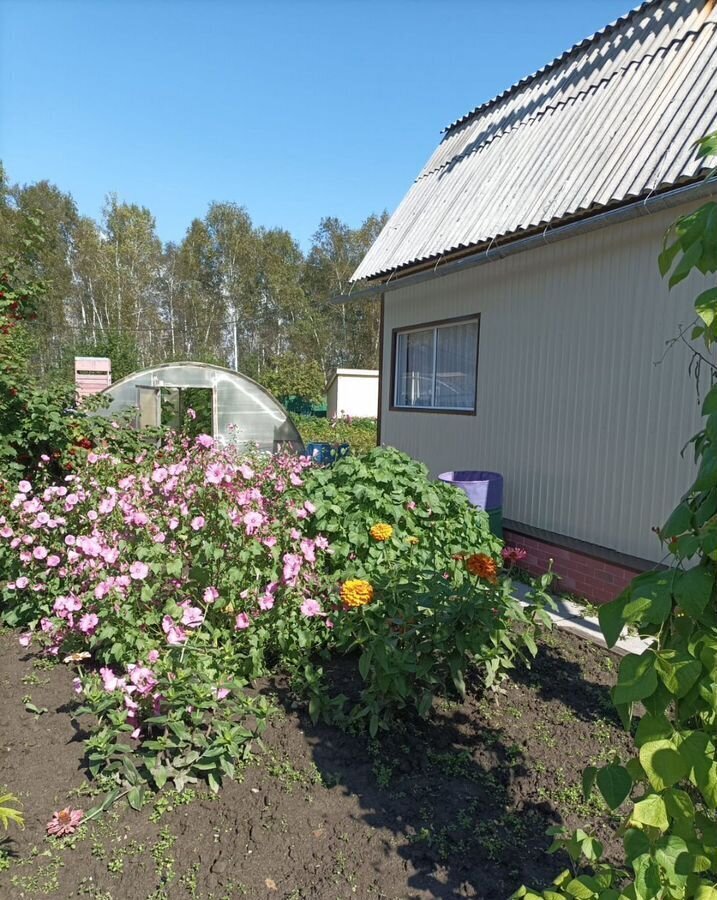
[352, 392]
[524, 319]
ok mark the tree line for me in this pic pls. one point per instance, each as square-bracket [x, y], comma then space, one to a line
[230, 292]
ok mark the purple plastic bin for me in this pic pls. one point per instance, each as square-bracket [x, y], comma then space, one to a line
[484, 489]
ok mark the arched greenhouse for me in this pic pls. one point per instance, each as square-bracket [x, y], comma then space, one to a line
[230, 406]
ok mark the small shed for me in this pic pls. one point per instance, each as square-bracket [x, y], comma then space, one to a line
[352, 392]
[235, 408]
[92, 375]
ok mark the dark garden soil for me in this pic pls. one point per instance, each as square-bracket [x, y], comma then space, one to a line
[456, 807]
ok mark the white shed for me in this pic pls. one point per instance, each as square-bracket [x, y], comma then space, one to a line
[352, 392]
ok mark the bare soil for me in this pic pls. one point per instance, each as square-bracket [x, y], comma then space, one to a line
[454, 807]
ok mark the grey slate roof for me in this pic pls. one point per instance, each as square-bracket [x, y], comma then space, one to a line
[613, 119]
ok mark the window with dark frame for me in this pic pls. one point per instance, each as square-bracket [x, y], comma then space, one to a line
[435, 366]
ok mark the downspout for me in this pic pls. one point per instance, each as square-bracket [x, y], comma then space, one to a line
[650, 204]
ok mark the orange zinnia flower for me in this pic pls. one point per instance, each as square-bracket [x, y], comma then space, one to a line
[482, 566]
[356, 592]
[381, 531]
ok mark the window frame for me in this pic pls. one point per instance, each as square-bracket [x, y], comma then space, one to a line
[427, 326]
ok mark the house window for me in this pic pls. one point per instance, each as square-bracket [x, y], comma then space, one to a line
[435, 366]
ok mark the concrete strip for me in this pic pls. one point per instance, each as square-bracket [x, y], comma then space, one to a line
[570, 617]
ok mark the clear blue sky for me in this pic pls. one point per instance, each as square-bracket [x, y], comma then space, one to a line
[296, 110]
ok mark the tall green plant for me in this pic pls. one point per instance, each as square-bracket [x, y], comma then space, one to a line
[667, 791]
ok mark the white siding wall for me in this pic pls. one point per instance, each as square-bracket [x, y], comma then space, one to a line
[572, 409]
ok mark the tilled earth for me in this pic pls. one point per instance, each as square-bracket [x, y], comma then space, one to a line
[456, 807]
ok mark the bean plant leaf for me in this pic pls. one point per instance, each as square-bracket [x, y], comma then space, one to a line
[663, 764]
[588, 781]
[614, 783]
[637, 678]
[610, 617]
[651, 812]
[693, 589]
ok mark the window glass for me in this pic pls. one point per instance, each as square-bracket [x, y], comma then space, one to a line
[457, 347]
[435, 368]
[414, 368]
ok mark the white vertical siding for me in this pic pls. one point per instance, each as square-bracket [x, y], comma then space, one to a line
[573, 407]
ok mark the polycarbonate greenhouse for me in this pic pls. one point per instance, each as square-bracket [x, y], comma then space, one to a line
[230, 406]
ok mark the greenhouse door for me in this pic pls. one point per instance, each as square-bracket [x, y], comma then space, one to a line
[149, 408]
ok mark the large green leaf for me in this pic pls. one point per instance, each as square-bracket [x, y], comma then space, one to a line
[678, 671]
[614, 783]
[663, 764]
[651, 812]
[611, 620]
[693, 589]
[637, 678]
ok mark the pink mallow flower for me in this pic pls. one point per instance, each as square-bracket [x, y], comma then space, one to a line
[176, 635]
[198, 522]
[205, 440]
[88, 623]
[311, 608]
[253, 521]
[210, 595]
[25, 639]
[142, 678]
[242, 622]
[292, 567]
[138, 570]
[192, 617]
[110, 682]
[52, 561]
[214, 474]
[65, 822]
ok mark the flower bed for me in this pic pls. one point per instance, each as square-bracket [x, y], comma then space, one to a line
[169, 583]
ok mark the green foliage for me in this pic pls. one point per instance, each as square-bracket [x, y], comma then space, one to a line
[430, 620]
[432, 521]
[9, 811]
[667, 791]
[291, 376]
[359, 433]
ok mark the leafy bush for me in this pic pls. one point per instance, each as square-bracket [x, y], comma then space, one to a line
[668, 790]
[41, 424]
[408, 543]
[359, 433]
[432, 522]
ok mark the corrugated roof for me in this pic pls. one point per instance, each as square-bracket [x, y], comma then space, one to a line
[613, 119]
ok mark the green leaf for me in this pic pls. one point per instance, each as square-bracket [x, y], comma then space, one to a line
[680, 519]
[136, 796]
[588, 781]
[637, 678]
[653, 727]
[365, 665]
[614, 783]
[706, 305]
[651, 812]
[663, 764]
[611, 620]
[693, 589]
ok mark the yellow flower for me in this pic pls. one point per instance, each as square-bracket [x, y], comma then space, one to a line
[381, 531]
[412, 539]
[356, 592]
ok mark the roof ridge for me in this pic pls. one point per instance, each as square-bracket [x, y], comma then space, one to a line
[528, 79]
[572, 98]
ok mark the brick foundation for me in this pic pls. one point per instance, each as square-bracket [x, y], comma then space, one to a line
[585, 575]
